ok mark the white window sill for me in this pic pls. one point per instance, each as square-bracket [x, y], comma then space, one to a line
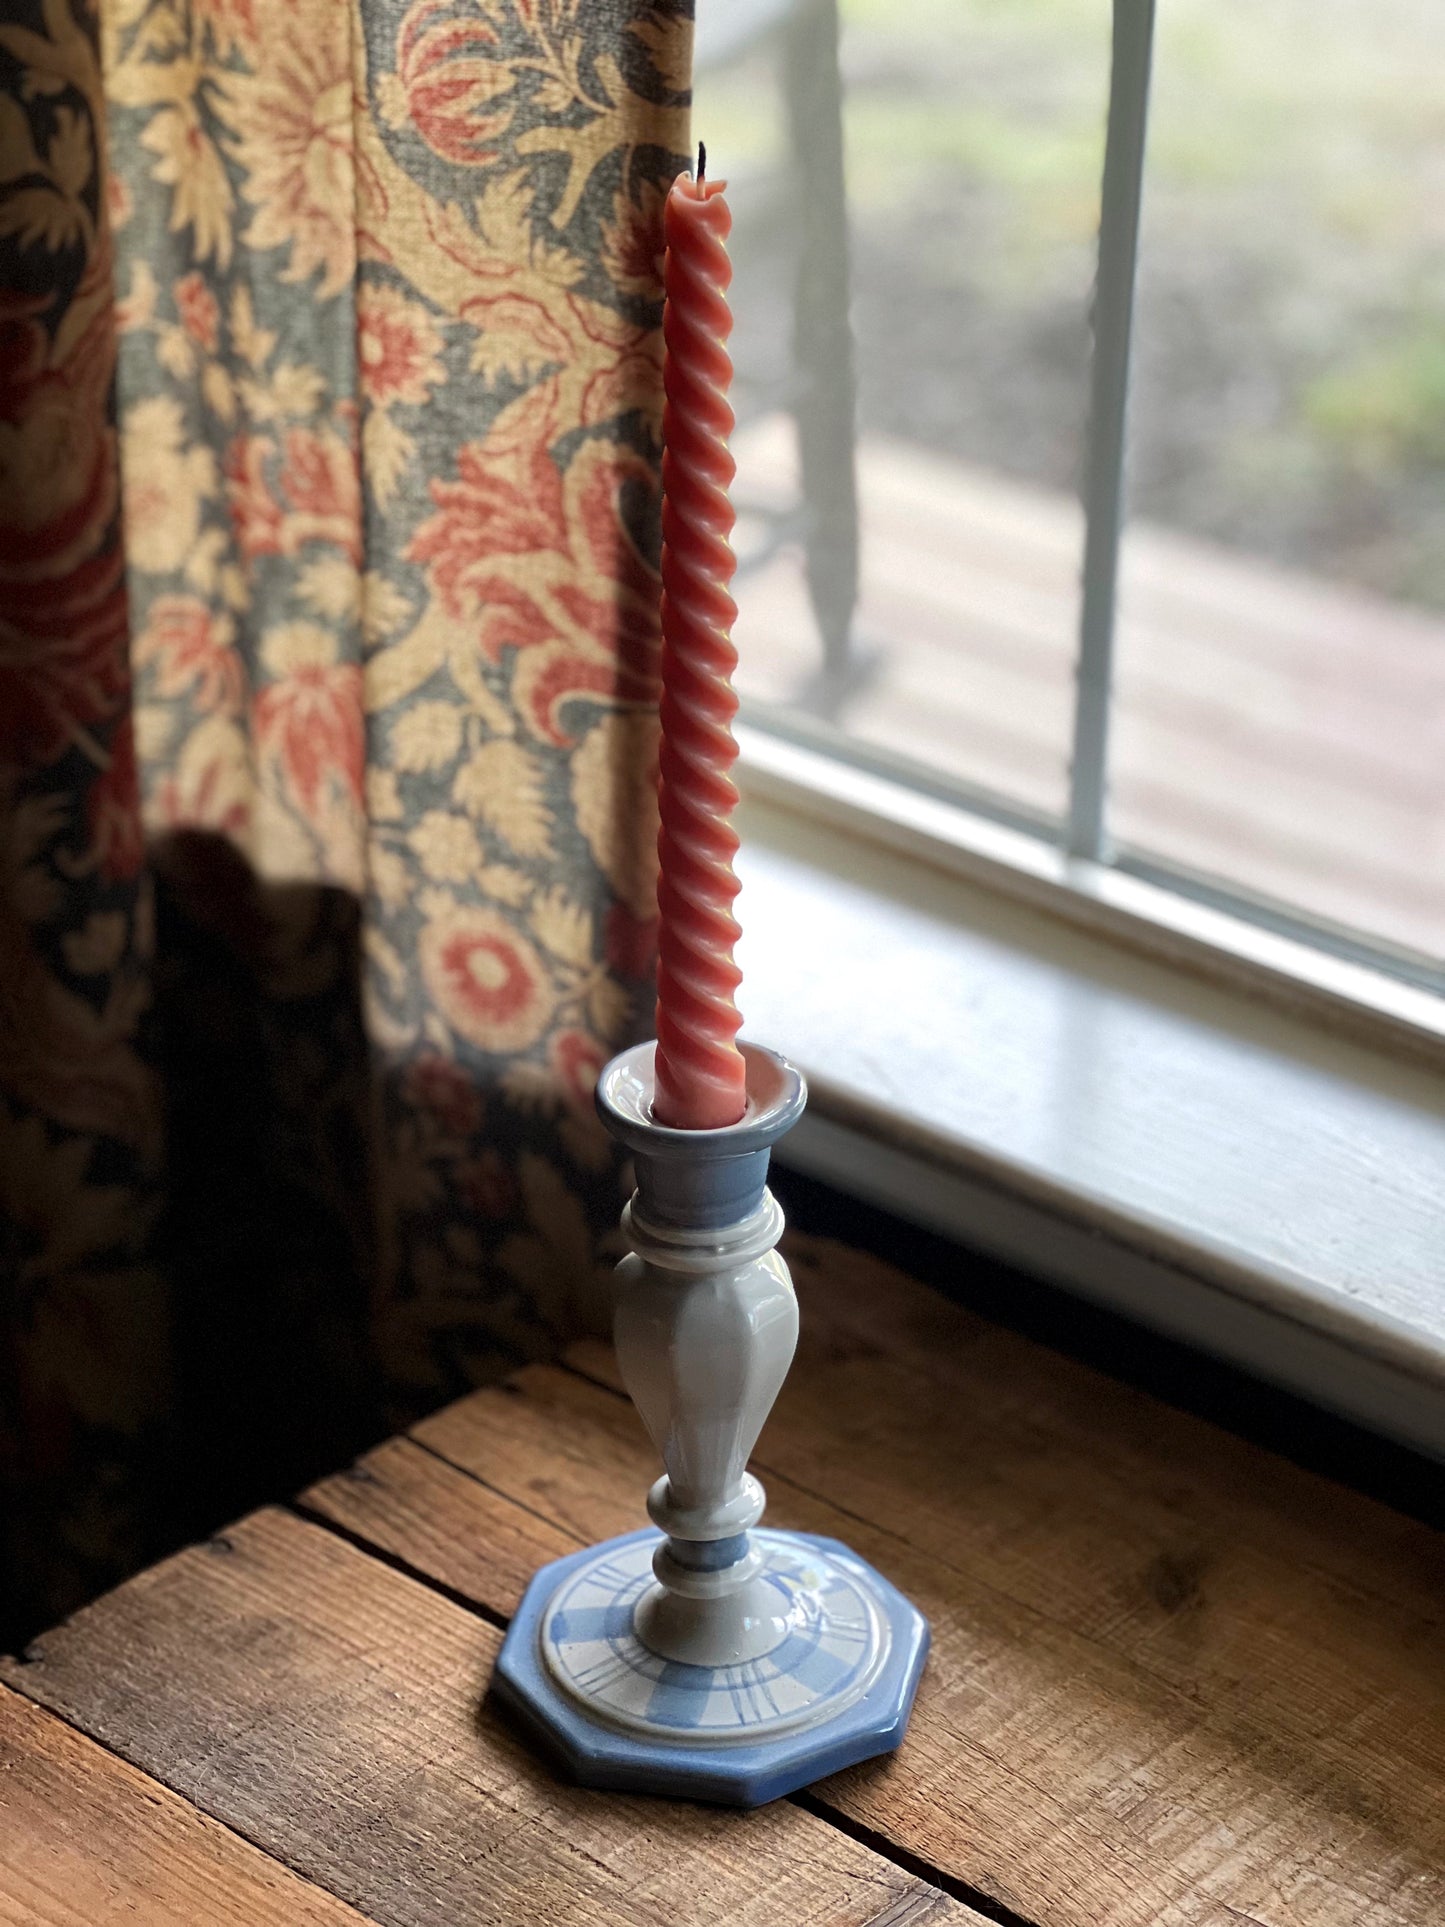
[1221, 1169]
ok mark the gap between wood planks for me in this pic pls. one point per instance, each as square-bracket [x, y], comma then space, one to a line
[342, 1696]
[394, 1562]
[1134, 1542]
[879, 1843]
[1111, 1584]
[57, 1780]
[834, 1504]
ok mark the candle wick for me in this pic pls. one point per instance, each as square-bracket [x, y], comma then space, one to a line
[701, 163]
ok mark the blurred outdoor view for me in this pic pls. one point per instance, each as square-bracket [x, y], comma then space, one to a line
[1280, 689]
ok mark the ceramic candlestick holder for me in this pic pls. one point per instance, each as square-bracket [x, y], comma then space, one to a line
[703, 1656]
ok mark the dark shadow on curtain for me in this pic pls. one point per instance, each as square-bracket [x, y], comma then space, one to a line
[269, 1232]
[248, 1222]
[290, 1299]
[230, 1360]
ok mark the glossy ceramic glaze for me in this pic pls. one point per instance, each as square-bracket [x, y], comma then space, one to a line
[707, 1637]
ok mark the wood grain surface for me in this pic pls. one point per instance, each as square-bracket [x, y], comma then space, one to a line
[332, 1711]
[1174, 1679]
[87, 1841]
[400, 1499]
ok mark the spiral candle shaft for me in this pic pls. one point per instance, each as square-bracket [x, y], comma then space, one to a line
[700, 1073]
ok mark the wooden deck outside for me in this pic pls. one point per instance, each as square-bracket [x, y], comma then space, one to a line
[1280, 733]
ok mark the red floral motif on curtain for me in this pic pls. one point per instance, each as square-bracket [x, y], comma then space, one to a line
[386, 452]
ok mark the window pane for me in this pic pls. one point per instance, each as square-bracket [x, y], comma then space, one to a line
[973, 135]
[1280, 718]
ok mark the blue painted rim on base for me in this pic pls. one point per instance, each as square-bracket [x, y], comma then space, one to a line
[738, 1775]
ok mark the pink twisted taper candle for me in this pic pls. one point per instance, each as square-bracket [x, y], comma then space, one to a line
[700, 1081]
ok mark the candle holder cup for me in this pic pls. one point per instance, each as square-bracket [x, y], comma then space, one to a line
[705, 1656]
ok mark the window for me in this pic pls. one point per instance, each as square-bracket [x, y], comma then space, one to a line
[1246, 703]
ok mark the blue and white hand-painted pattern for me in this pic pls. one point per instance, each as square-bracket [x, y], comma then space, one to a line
[762, 1762]
[835, 1646]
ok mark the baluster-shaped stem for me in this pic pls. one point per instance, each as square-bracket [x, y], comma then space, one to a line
[705, 1334]
[706, 1324]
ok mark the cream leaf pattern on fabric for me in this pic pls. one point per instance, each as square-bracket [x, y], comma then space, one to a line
[328, 760]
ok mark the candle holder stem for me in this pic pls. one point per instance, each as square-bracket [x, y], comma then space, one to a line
[705, 1328]
[706, 1656]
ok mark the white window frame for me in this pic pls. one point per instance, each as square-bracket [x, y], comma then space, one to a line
[1356, 1026]
[1329, 1279]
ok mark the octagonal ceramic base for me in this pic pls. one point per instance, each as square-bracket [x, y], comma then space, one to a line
[838, 1689]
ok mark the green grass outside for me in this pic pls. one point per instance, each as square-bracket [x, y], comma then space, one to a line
[1291, 391]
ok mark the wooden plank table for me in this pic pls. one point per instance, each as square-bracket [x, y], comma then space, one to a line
[1174, 1679]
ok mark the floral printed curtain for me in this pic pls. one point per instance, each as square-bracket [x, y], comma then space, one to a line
[328, 602]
